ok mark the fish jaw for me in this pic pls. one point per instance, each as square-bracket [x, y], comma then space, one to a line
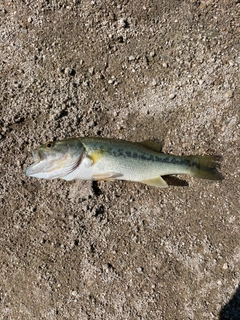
[52, 165]
[43, 166]
[37, 169]
[47, 169]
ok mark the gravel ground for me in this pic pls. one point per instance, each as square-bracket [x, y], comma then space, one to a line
[140, 70]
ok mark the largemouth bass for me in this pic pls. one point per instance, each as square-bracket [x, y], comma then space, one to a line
[111, 159]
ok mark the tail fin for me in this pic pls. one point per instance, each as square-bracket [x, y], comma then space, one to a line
[206, 167]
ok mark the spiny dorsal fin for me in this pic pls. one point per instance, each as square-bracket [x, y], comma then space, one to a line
[154, 145]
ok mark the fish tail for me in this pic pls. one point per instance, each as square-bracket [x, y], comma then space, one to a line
[206, 167]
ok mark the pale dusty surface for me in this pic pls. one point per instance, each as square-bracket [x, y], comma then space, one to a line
[136, 71]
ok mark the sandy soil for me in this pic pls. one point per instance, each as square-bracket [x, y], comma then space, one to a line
[135, 70]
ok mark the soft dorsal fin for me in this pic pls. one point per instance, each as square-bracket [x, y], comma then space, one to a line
[154, 145]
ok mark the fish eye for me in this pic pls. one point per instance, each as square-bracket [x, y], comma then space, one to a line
[49, 145]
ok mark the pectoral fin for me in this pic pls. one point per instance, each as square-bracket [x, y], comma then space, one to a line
[96, 155]
[156, 182]
[107, 176]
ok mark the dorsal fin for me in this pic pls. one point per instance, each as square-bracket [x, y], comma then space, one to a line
[154, 145]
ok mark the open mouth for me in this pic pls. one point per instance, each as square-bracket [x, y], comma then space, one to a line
[51, 166]
[38, 165]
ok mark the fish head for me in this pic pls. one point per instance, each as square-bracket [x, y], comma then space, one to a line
[56, 159]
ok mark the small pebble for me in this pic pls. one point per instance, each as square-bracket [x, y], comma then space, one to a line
[122, 23]
[172, 95]
[91, 70]
[154, 82]
[229, 94]
[225, 266]
[68, 71]
[91, 123]
[85, 83]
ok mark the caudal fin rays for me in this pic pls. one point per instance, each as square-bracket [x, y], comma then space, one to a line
[206, 167]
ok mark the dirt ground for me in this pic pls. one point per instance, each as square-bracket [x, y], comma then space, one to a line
[134, 70]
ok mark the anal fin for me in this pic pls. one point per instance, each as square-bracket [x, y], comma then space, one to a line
[156, 182]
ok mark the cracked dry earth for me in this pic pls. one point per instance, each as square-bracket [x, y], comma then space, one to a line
[134, 70]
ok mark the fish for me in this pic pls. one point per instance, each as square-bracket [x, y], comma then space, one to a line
[96, 158]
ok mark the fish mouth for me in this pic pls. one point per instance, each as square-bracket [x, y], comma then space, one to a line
[51, 168]
[39, 164]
